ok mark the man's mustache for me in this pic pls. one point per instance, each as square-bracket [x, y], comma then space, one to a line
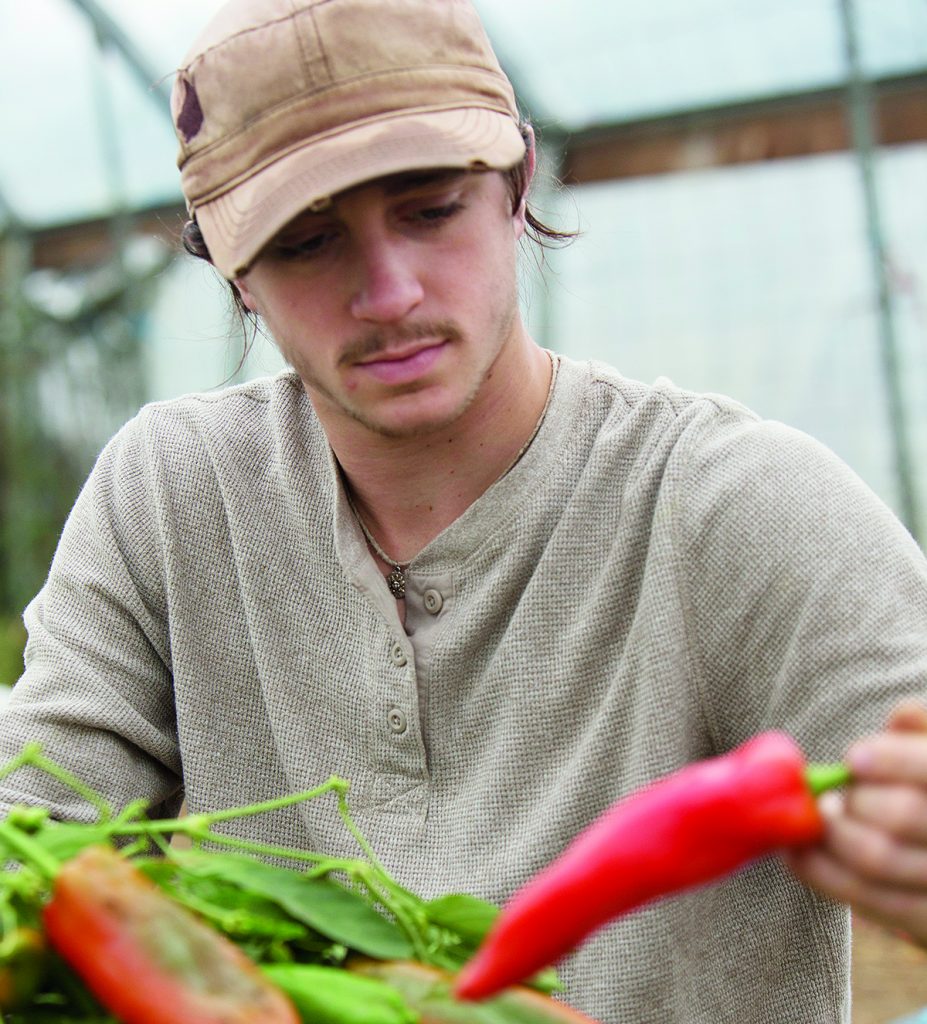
[378, 341]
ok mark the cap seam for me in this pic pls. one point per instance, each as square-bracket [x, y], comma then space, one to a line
[292, 16]
[323, 49]
[214, 194]
[476, 68]
[237, 35]
[270, 113]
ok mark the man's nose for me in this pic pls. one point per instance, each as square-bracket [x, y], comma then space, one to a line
[388, 284]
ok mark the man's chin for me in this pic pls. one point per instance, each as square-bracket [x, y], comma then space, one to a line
[419, 411]
[412, 417]
[407, 428]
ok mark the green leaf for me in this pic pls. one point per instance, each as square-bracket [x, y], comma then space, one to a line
[64, 840]
[330, 995]
[321, 903]
[470, 917]
[240, 914]
[429, 993]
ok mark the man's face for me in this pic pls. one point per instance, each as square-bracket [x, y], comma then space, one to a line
[394, 303]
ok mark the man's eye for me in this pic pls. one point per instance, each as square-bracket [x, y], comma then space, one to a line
[304, 248]
[436, 214]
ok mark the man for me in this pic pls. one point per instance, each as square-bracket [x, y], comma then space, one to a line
[493, 587]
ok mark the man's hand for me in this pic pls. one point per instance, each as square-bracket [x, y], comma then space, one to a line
[874, 856]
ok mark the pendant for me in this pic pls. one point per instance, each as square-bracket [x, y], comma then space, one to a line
[396, 581]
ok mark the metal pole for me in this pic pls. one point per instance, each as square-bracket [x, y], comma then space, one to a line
[862, 126]
[19, 418]
[109, 29]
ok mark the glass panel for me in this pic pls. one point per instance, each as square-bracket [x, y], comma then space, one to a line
[164, 30]
[902, 172]
[47, 170]
[607, 62]
[192, 339]
[752, 281]
[893, 35]
[85, 134]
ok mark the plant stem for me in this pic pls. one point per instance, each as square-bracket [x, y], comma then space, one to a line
[200, 826]
[31, 756]
[340, 786]
[358, 835]
[284, 852]
[28, 851]
[822, 777]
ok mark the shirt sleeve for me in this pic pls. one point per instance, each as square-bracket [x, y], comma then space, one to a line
[806, 597]
[96, 693]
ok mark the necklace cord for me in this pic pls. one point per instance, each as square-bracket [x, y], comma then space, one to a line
[396, 580]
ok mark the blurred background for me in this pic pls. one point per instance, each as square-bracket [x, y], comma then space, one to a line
[750, 181]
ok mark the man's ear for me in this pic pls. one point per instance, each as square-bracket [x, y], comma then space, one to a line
[530, 166]
[247, 298]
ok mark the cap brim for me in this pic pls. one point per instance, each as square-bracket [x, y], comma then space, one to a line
[239, 223]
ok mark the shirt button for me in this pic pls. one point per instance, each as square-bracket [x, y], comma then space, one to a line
[398, 655]
[397, 720]
[433, 601]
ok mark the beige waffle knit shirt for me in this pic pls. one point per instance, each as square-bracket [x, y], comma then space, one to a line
[661, 576]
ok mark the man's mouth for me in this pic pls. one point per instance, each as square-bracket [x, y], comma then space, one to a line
[405, 364]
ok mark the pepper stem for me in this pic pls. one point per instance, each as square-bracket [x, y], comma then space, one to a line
[821, 777]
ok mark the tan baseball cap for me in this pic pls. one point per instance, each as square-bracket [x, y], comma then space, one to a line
[281, 104]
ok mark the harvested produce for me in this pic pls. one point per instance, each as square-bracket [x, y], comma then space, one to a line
[429, 991]
[148, 959]
[330, 995]
[109, 922]
[692, 827]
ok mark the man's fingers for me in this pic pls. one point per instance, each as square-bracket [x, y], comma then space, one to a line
[874, 853]
[899, 810]
[898, 756]
[904, 909]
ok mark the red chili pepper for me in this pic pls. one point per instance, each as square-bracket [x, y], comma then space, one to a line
[147, 959]
[696, 825]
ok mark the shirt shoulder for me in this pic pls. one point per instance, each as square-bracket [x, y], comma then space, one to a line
[265, 400]
[646, 424]
[250, 424]
[200, 458]
[677, 403]
[707, 432]
[717, 469]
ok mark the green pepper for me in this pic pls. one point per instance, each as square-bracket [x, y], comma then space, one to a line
[429, 991]
[330, 995]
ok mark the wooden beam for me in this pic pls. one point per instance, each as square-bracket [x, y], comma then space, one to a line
[93, 242]
[770, 130]
[791, 126]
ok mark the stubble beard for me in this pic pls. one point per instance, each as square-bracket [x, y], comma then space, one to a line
[375, 342]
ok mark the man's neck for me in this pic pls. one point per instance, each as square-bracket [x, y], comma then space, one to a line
[409, 489]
